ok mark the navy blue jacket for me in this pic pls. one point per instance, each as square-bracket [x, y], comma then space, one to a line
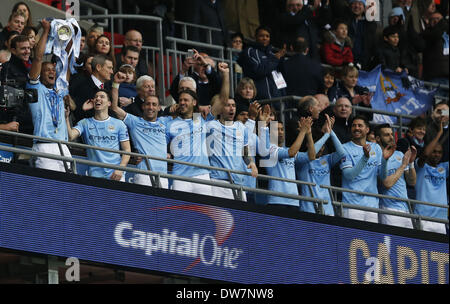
[258, 62]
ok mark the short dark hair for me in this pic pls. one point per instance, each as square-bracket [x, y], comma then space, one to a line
[237, 34]
[338, 22]
[363, 118]
[440, 103]
[18, 39]
[417, 123]
[329, 71]
[300, 45]
[127, 48]
[377, 129]
[390, 30]
[265, 28]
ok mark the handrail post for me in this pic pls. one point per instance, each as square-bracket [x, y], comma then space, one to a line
[160, 43]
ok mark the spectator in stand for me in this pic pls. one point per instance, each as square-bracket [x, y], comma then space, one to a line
[431, 184]
[363, 163]
[390, 56]
[103, 46]
[297, 21]
[245, 93]
[411, 43]
[415, 137]
[145, 87]
[134, 38]
[260, 63]
[31, 33]
[400, 173]
[102, 69]
[210, 13]
[426, 9]
[348, 87]
[130, 55]
[329, 75]
[148, 132]
[128, 85]
[208, 81]
[5, 56]
[16, 22]
[8, 39]
[440, 115]
[337, 46]
[343, 119]
[18, 67]
[362, 33]
[237, 43]
[22, 7]
[103, 131]
[93, 33]
[310, 81]
[436, 53]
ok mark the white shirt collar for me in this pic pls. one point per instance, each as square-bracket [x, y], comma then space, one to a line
[96, 81]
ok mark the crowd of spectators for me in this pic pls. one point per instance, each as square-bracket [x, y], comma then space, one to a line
[112, 102]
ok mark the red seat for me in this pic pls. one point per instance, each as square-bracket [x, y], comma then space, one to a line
[118, 40]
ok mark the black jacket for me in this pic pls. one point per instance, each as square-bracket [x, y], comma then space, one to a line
[303, 75]
[258, 62]
[435, 63]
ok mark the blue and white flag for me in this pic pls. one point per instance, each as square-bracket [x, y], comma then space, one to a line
[390, 94]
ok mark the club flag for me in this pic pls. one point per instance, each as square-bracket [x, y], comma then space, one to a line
[395, 92]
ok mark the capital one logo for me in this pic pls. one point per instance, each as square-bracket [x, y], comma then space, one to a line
[207, 249]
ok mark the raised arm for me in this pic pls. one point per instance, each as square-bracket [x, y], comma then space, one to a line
[119, 77]
[35, 70]
[430, 147]
[225, 90]
[305, 127]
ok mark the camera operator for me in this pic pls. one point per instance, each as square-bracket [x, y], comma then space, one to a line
[14, 74]
[48, 112]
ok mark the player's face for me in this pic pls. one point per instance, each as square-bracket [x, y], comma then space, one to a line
[419, 132]
[247, 92]
[101, 101]
[386, 137]
[186, 104]
[359, 129]
[150, 108]
[48, 75]
[436, 156]
[229, 111]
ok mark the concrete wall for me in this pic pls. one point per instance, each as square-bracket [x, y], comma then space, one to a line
[38, 11]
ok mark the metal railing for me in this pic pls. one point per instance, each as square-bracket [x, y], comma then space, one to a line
[155, 176]
[158, 49]
[91, 7]
[186, 25]
[415, 218]
[237, 189]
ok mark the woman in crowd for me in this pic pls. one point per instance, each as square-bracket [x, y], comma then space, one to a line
[329, 75]
[32, 35]
[104, 46]
[22, 7]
